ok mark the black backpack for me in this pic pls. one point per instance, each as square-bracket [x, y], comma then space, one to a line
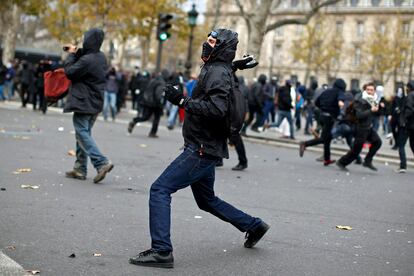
[237, 108]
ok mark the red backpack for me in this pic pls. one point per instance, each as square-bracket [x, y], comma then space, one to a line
[56, 85]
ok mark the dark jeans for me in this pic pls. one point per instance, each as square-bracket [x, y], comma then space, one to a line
[198, 171]
[282, 114]
[146, 114]
[268, 109]
[253, 110]
[85, 144]
[361, 136]
[309, 118]
[298, 122]
[24, 94]
[40, 97]
[237, 141]
[403, 135]
[327, 123]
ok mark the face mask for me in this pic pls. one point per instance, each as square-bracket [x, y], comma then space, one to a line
[206, 52]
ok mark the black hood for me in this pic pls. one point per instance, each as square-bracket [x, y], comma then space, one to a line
[92, 40]
[410, 85]
[340, 84]
[262, 79]
[226, 46]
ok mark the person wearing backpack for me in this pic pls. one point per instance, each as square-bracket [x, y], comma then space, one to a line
[205, 131]
[365, 106]
[152, 103]
[406, 126]
[86, 68]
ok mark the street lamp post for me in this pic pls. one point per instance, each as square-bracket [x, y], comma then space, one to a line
[192, 22]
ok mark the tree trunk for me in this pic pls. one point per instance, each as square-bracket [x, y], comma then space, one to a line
[145, 49]
[9, 43]
[216, 14]
[257, 32]
[121, 54]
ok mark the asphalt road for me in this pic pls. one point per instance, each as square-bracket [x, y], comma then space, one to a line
[301, 200]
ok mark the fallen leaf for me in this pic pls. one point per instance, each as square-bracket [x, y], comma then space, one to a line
[72, 255]
[143, 145]
[33, 272]
[22, 170]
[30, 187]
[97, 254]
[342, 227]
[71, 153]
[11, 247]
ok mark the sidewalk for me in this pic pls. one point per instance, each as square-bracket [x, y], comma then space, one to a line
[385, 153]
[8, 267]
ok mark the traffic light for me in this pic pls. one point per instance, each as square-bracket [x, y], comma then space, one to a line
[163, 26]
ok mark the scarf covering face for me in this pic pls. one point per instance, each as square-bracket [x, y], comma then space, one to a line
[371, 99]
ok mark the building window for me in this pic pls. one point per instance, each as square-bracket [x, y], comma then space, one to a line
[357, 57]
[403, 58]
[339, 27]
[375, 3]
[278, 53]
[398, 3]
[299, 29]
[355, 84]
[279, 31]
[382, 28]
[354, 3]
[294, 3]
[406, 28]
[360, 28]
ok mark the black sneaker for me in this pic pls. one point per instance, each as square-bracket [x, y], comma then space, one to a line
[102, 172]
[253, 237]
[341, 166]
[239, 167]
[153, 258]
[302, 148]
[131, 127]
[369, 166]
[152, 135]
[219, 163]
[75, 174]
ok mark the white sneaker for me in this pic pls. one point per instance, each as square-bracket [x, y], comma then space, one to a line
[400, 170]
[389, 136]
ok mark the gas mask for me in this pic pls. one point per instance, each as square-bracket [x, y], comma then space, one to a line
[206, 52]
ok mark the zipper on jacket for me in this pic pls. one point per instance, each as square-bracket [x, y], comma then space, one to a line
[201, 150]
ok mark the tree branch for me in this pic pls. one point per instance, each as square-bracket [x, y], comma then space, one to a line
[315, 7]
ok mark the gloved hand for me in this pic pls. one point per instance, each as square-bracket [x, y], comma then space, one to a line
[246, 62]
[174, 96]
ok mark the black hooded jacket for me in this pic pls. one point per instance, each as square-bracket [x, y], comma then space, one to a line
[206, 124]
[328, 101]
[87, 70]
[256, 96]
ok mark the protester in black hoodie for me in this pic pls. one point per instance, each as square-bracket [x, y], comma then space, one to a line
[365, 106]
[204, 131]
[86, 68]
[329, 103]
[256, 101]
[284, 104]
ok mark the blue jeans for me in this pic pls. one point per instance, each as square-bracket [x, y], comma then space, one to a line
[10, 89]
[198, 171]
[268, 109]
[173, 116]
[2, 97]
[85, 144]
[109, 102]
[282, 114]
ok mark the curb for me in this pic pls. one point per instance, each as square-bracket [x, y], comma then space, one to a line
[336, 151]
[9, 267]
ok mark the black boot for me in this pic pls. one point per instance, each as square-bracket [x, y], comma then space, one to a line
[253, 237]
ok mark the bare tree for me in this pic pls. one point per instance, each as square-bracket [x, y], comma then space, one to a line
[257, 14]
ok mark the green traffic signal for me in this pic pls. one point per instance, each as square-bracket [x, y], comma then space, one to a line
[163, 36]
